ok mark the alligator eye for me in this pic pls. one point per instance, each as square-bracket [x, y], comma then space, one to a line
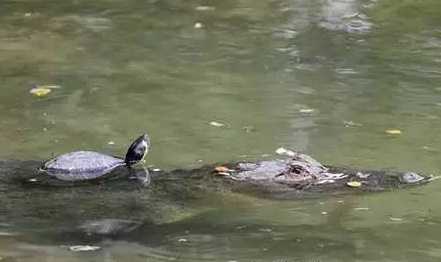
[297, 169]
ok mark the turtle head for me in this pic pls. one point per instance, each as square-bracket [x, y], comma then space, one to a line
[137, 150]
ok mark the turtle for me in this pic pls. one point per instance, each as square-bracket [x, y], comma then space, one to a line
[88, 165]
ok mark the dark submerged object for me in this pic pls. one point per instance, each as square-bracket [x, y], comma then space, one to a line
[87, 165]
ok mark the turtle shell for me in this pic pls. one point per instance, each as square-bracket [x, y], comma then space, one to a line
[81, 165]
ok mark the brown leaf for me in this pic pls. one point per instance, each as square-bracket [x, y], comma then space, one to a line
[221, 169]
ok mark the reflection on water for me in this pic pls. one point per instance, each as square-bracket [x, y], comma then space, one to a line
[345, 15]
[323, 77]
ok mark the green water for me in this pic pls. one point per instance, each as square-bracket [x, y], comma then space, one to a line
[171, 67]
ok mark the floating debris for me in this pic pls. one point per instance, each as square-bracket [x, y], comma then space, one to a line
[395, 219]
[306, 110]
[182, 240]
[222, 169]
[354, 184]
[216, 124]
[198, 25]
[393, 131]
[27, 14]
[324, 213]
[37, 91]
[80, 248]
[156, 169]
[110, 143]
[285, 152]
[205, 8]
[42, 90]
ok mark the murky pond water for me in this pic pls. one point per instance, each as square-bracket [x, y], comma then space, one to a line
[326, 77]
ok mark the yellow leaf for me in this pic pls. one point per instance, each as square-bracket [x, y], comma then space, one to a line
[353, 184]
[39, 91]
[393, 131]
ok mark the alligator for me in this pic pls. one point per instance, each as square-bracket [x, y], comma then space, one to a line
[296, 175]
[128, 198]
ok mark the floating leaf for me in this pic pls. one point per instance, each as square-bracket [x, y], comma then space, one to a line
[80, 248]
[393, 131]
[42, 90]
[353, 184]
[222, 169]
[216, 124]
[39, 91]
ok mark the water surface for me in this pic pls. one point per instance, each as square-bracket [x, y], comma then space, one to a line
[323, 77]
